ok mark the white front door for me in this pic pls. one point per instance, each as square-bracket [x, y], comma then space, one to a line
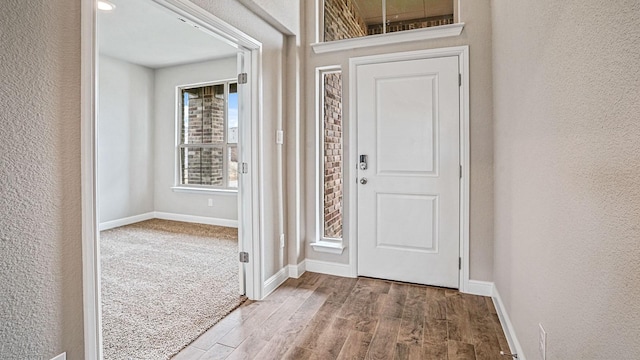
[409, 195]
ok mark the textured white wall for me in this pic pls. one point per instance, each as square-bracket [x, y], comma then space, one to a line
[567, 178]
[476, 14]
[281, 14]
[125, 139]
[165, 199]
[40, 226]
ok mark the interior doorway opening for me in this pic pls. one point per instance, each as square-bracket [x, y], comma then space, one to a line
[125, 161]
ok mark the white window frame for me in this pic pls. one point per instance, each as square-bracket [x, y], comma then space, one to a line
[320, 46]
[179, 187]
[322, 243]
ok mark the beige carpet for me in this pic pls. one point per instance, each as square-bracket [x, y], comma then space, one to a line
[163, 284]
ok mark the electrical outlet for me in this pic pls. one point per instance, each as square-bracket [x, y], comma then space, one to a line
[210, 203]
[279, 137]
[282, 241]
[542, 342]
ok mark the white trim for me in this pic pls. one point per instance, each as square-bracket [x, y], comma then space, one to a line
[259, 188]
[195, 219]
[333, 246]
[328, 247]
[465, 161]
[477, 287]
[510, 332]
[62, 356]
[435, 32]
[92, 311]
[168, 216]
[295, 271]
[126, 221]
[329, 268]
[276, 280]
[462, 52]
[196, 190]
[254, 203]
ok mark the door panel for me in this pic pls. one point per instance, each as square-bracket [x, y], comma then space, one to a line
[407, 222]
[408, 209]
[403, 135]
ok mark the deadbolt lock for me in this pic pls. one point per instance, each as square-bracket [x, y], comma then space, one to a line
[363, 162]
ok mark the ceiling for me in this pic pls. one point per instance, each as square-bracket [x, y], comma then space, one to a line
[400, 10]
[144, 33]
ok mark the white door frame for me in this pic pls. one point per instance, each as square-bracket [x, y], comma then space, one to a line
[249, 219]
[462, 52]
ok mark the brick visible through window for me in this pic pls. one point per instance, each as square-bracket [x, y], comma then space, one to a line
[346, 19]
[209, 135]
[332, 154]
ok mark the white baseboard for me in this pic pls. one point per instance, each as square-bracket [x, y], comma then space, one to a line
[196, 219]
[510, 332]
[125, 221]
[276, 280]
[477, 287]
[167, 216]
[329, 268]
[295, 271]
[62, 356]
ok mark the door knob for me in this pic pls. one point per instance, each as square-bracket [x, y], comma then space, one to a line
[363, 181]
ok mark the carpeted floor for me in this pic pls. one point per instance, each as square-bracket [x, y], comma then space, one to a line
[163, 284]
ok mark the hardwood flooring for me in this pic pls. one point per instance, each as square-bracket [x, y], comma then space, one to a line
[328, 317]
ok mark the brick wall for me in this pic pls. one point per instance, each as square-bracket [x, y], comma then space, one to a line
[333, 155]
[375, 29]
[342, 20]
[204, 166]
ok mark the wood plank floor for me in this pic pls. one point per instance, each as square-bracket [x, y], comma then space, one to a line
[329, 317]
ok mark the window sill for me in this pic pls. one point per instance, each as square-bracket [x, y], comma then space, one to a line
[328, 247]
[193, 190]
[390, 38]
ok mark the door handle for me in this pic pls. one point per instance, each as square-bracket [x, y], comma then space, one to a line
[363, 181]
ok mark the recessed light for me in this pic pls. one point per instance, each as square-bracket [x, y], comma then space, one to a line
[105, 5]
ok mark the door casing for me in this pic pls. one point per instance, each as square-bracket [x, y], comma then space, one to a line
[250, 217]
[351, 189]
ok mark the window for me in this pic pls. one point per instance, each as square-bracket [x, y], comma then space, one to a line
[208, 133]
[331, 154]
[346, 19]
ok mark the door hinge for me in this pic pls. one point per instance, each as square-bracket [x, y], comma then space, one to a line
[460, 171]
[459, 263]
[244, 257]
[459, 79]
[245, 168]
[242, 78]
